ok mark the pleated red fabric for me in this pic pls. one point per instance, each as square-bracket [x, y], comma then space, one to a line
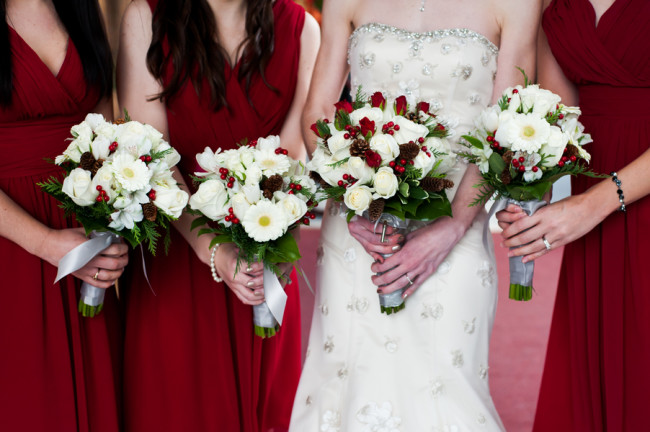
[192, 361]
[58, 370]
[596, 376]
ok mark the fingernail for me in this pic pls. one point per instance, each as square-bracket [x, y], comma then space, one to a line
[404, 296]
[379, 291]
[259, 293]
[396, 247]
[249, 283]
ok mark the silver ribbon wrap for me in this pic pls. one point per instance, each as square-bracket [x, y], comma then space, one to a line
[520, 273]
[79, 257]
[271, 312]
[394, 299]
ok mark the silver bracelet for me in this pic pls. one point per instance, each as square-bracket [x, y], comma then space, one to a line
[213, 269]
[619, 191]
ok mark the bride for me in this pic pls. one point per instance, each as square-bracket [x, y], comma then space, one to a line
[424, 368]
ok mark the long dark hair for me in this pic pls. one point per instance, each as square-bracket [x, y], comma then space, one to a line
[82, 20]
[194, 52]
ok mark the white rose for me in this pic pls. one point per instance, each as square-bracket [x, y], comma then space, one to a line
[133, 138]
[386, 146]
[104, 178]
[71, 153]
[331, 174]
[515, 103]
[554, 147]
[338, 144]
[360, 170]
[210, 199]
[82, 133]
[253, 193]
[446, 154]
[543, 101]
[154, 135]
[239, 204]
[358, 198]
[172, 201]
[269, 143]
[94, 120]
[253, 175]
[409, 131]
[488, 120]
[294, 208]
[424, 163]
[373, 114]
[385, 183]
[78, 185]
[172, 157]
[232, 161]
[247, 156]
[106, 130]
[100, 147]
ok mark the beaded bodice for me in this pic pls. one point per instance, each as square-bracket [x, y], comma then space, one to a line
[452, 69]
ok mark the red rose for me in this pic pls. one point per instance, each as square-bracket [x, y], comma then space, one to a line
[401, 106]
[314, 129]
[367, 126]
[372, 159]
[377, 100]
[423, 106]
[344, 105]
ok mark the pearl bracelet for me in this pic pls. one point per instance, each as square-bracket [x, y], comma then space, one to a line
[619, 191]
[213, 269]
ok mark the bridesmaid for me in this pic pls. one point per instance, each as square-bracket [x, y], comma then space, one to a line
[597, 54]
[57, 369]
[211, 73]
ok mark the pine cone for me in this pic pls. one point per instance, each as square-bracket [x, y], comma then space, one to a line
[87, 161]
[318, 179]
[408, 151]
[359, 147]
[96, 166]
[120, 121]
[271, 185]
[506, 178]
[571, 150]
[434, 184]
[150, 211]
[507, 158]
[376, 209]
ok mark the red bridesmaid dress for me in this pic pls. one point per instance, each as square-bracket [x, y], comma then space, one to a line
[597, 371]
[58, 370]
[192, 361]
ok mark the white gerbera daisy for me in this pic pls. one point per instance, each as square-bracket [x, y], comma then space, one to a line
[271, 163]
[523, 132]
[131, 173]
[264, 221]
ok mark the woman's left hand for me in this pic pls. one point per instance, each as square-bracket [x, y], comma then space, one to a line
[559, 223]
[418, 258]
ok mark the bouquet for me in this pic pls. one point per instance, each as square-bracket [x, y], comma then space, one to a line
[257, 195]
[386, 160]
[522, 146]
[118, 183]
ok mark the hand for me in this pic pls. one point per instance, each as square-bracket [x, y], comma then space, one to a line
[107, 266]
[560, 223]
[248, 283]
[369, 235]
[419, 257]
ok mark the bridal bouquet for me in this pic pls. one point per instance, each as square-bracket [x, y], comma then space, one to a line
[386, 160]
[522, 146]
[118, 183]
[257, 195]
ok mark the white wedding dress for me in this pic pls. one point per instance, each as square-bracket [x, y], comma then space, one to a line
[426, 367]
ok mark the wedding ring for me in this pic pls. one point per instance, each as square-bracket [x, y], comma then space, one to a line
[408, 279]
[546, 243]
[96, 275]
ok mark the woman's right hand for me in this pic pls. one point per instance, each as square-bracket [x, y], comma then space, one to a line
[368, 234]
[107, 266]
[248, 282]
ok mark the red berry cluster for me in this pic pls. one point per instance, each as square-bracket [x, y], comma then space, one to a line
[351, 132]
[347, 181]
[390, 128]
[231, 217]
[152, 195]
[399, 165]
[566, 159]
[281, 150]
[493, 143]
[112, 146]
[224, 176]
[252, 144]
[102, 194]
[519, 165]
[308, 215]
[145, 159]
[294, 187]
